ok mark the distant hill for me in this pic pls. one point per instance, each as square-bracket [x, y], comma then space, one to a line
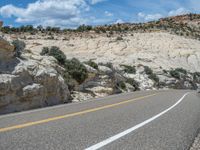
[183, 25]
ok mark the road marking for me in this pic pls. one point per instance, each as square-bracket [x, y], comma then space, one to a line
[59, 106]
[119, 135]
[71, 115]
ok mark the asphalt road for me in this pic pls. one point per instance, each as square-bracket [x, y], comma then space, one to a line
[150, 120]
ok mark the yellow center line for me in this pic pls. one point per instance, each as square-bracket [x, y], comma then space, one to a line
[70, 115]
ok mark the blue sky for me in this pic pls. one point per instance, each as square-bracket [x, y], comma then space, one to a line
[72, 13]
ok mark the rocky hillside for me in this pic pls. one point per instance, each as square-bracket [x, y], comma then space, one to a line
[29, 81]
[164, 44]
[59, 66]
[159, 50]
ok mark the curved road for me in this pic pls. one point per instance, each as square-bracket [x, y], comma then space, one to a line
[148, 120]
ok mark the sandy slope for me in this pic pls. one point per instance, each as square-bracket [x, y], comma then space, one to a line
[158, 49]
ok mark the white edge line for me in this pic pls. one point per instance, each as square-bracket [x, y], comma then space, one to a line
[119, 135]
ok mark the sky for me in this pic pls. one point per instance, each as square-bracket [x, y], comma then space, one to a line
[72, 13]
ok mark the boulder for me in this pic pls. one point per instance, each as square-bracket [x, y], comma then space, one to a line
[31, 82]
[6, 50]
[90, 69]
[105, 69]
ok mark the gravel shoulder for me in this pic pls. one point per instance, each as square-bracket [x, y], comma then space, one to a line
[196, 144]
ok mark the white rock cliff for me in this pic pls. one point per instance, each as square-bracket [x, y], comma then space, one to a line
[32, 82]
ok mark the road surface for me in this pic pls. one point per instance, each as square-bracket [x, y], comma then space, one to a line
[148, 120]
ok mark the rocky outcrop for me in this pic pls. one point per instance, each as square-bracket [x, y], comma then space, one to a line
[30, 82]
[112, 80]
[156, 49]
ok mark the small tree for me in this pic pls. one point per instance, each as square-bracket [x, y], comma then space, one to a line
[19, 47]
[129, 69]
[92, 64]
[45, 51]
[175, 74]
[76, 70]
[58, 54]
[154, 77]
[134, 83]
[119, 38]
[148, 70]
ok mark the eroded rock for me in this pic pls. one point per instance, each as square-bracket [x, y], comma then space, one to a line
[31, 82]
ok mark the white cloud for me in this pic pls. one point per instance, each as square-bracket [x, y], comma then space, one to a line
[93, 2]
[109, 14]
[149, 17]
[179, 11]
[48, 12]
[119, 21]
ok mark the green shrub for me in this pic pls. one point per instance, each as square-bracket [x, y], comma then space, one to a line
[165, 71]
[129, 69]
[57, 54]
[178, 72]
[196, 76]
[83, 28]
[148, 70]
[76, 70]
[45, 51]
[134, 83]
[175, 74]
[181, 70]
[154, 77]
[108, 64]
[121, 85]
[92, 64]
[70, 81]
[19, 47]
[119, 38]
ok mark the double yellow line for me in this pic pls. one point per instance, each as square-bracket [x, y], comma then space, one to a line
[70, 115]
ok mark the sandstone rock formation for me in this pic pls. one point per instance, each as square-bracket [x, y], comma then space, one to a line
[29, 82]
[157, 49]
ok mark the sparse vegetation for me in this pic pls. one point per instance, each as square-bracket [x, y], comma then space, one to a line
[119, 38]
[76, 70]
[196, 77]
[181, 70]
[57, 54]
[134, 83]
[175, 74]
[148, 70]
[92, 64]
[121, 85]
[173, 25]
[154, 77]
[150, 74]
[178, 73]
[19, 47]
[83, 28]
[45, 51]
[108, 64]
[129, 69]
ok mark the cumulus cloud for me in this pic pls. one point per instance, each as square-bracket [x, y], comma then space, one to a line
[149, 17]
[119, 21]
[179, 11]
[48, 12]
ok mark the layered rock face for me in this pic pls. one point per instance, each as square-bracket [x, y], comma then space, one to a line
[30, 82]
[156, 50]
